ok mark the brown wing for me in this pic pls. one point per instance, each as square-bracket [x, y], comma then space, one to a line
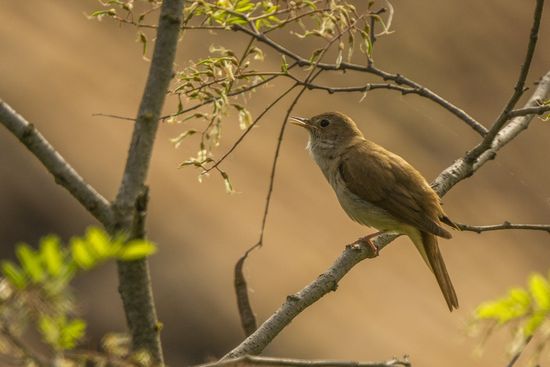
[389, 182]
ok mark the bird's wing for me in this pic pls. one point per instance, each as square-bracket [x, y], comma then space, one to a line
[391, 183]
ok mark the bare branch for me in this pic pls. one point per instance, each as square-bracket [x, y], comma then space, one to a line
[352, 255]
[134, 280]
[288, 362]
[516, 356]
[518, 89]
[535, 110]
[505, 225]
[516, 125]
[26, 353]
[399, 79]
[113, 116]
[246, 314]
[63, 173]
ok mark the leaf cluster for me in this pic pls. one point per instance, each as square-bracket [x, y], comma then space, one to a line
[526, 311]
[35, 292]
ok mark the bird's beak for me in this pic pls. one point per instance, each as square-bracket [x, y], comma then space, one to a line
[300, 121]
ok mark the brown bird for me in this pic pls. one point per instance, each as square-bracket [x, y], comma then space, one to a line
[379, 189]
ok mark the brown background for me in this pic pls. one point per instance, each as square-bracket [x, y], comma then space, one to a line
[57, 69]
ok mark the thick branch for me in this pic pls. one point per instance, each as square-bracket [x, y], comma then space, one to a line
[288, 362]
[62, 172]
[135, 284]
[328, 281]
[505, 225]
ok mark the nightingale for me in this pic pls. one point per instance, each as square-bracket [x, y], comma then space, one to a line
[379, 189]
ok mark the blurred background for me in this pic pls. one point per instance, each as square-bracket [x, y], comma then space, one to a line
[57, 69]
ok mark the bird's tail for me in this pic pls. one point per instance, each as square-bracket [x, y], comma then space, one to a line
[427, 245]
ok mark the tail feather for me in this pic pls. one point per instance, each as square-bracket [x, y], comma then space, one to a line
[429, 250]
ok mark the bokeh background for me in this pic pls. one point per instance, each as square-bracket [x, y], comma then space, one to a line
[57, 69]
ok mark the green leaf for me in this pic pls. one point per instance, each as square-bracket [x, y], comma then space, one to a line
[533, 323]
[515, 305]
[31, 262]
[136, 249]
[52, 255]
[284, 64]
[60, 333]
[99, 243]
[71, 333]
[99, 14]
[81, 254]
[540, 291]
[14, 274]
[49, 330]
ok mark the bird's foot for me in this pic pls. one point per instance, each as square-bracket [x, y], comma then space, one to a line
[366, 241]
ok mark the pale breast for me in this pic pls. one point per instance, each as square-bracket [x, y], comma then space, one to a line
[363, 211]
[356, 208]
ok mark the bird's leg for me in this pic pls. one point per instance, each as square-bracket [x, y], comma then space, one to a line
[367, 240]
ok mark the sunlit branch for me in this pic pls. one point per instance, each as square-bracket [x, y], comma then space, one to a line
[288, 362]
[371, 69]
[535, 110]
[518, 89]
[63, 173]
[505, 225]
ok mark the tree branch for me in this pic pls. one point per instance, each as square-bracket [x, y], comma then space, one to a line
[134, 280]
[370, 69]
[288, 362]
[63, 173]
[352, 255]
[535, 110]
[505, 225]
[28, 356]
[518, 89]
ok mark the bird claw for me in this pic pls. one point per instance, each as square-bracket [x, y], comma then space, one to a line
[366, 241]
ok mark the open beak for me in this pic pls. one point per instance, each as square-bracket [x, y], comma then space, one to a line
[300, 121]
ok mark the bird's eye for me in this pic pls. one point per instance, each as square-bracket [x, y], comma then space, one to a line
[324, 123]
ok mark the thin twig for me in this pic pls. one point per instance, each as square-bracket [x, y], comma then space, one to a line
[246, 314]
[25, 351]
[248, 129]
[113, 116]
[291, 362]
[274, 165]
[535, 110]
[505, 225]
[516, 356]
[398, 78]
[231, 94]
[518, 89]
[63, 173]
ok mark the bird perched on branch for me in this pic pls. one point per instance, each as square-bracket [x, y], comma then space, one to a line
[379, 189]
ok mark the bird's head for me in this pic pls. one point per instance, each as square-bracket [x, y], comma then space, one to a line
[329, 128]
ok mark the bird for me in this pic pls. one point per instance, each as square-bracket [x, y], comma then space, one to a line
[380, 189]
